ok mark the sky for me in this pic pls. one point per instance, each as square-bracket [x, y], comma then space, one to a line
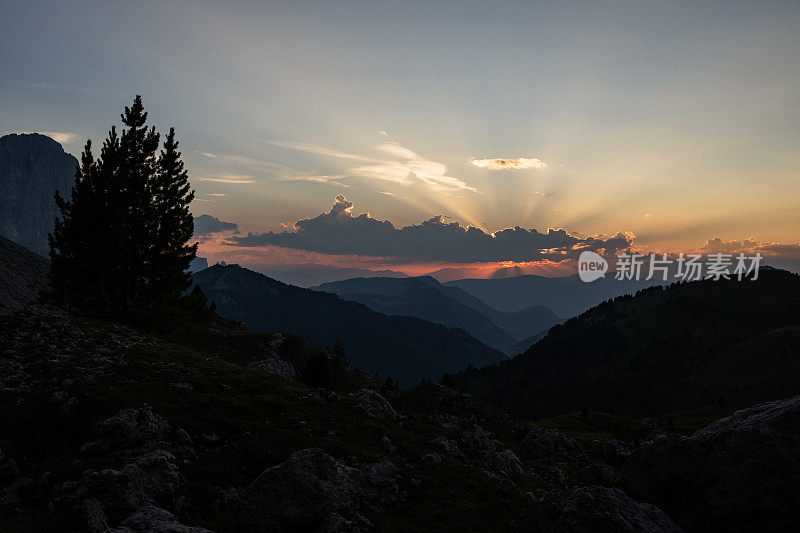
[671, 124]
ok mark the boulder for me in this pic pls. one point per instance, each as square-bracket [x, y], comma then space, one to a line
[503, 461]
[129, 430]
[541, 444]
[311, 486]
[741, 472]
[449, 446]
[110, 495]
[601, 509]
[152, 519]
[374, 405]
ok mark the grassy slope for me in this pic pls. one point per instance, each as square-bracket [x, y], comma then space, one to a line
[260, 419]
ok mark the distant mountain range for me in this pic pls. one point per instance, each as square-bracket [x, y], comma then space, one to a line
[310, 274]
[406, 349]
[566, 296]
[424, 297]
[665, 350]
[32, 168]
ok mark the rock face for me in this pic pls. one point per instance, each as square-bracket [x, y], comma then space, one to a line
[32, 168]
[739, 473]
[312, 489]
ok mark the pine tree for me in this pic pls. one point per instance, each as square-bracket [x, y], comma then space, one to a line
[121, 238]
[73, 241]
[133, 180]
[173, 225]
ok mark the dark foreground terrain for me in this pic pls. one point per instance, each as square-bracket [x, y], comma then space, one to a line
[213, 428]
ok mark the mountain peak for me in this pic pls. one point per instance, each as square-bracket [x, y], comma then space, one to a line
[32, 168]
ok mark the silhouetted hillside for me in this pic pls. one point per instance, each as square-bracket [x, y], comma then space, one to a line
[426, 298]
[22, 275]
[566, 296]
[664, 350]
[404, 348]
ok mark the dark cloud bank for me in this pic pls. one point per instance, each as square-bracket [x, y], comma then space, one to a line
[206, 225]
[339, 232]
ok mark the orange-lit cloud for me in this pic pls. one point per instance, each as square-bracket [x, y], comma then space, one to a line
[509, 163]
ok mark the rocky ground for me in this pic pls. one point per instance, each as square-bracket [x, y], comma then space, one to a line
[107, 428]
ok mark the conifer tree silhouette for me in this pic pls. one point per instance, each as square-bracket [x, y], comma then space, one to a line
[122, 237]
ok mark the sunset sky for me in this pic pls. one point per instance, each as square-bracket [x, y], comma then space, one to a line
[666, 123]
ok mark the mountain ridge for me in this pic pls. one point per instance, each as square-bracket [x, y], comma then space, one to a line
[426, 298]
[685, 346]
[406, 349]
[32, 168]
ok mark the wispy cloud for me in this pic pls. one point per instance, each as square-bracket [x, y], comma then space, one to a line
[321, 150]
[396, 150]
[432, 173]
[229, 178]
[509, 163]
[387, 193]
[61, 136]
[334, 178]
[239, 160]
[389, 171]
[216, 194]
[403, 166]
[58, 136]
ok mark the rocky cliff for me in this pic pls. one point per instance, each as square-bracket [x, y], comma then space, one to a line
[32, 168]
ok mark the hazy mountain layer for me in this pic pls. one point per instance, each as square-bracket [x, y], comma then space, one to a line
[406, 349]
[426, 298]
[566, 296]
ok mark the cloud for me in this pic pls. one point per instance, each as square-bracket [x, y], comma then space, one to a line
[58, 136]
[320, 150]
[216, 194]
[509, 163]
[61, 136]
[339, 232]
[410, 166]
[387, 193]
[543, 194]
[393, 148]
[333, 178]
[229, 178]
[239, 160]
[390, 171]
[404, 167]
[717, 245]
[207, 225]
